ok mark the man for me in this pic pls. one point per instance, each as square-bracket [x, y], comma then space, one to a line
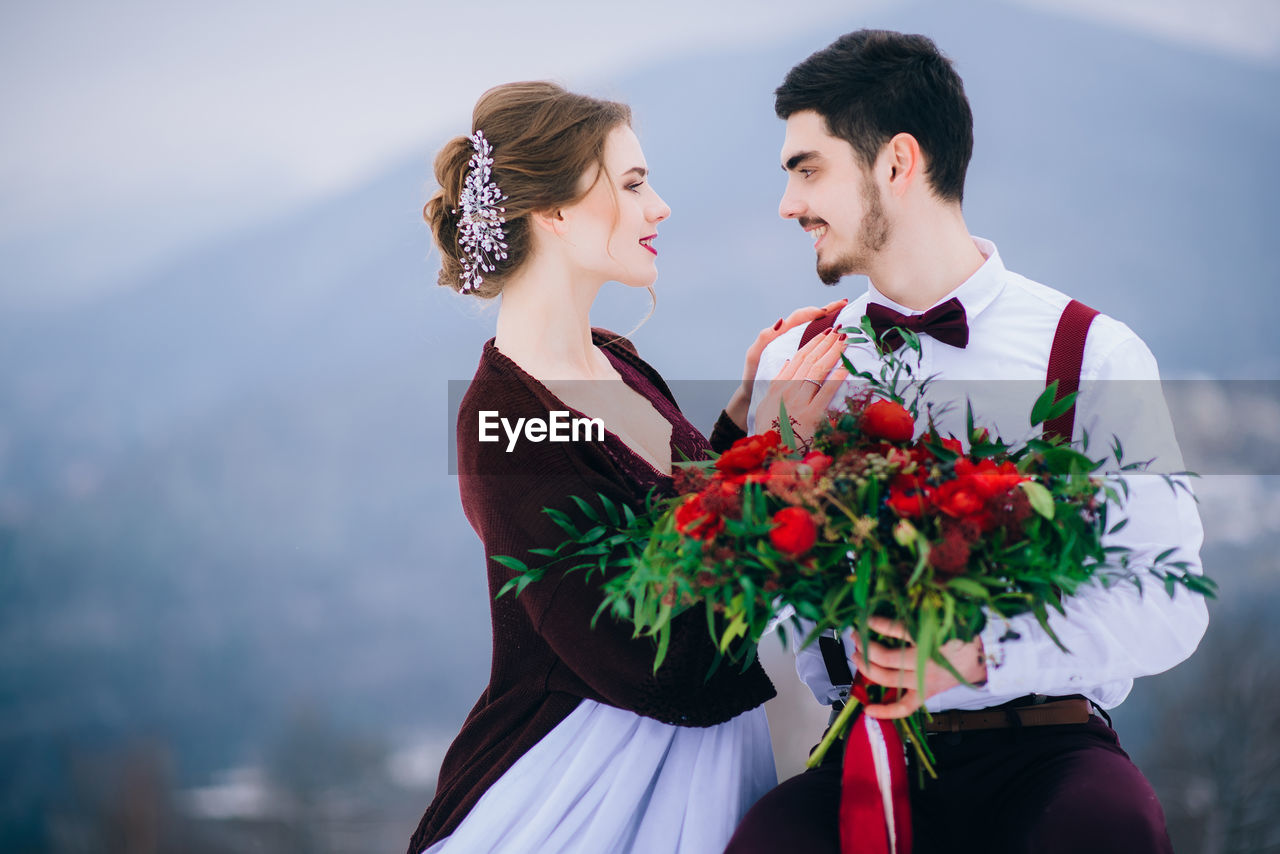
[878, 139]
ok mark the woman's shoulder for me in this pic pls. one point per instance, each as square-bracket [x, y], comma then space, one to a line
[496, 428]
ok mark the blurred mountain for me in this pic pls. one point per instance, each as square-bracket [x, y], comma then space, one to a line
[224, 491]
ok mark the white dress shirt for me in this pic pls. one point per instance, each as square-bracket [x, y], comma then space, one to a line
[1113, 635]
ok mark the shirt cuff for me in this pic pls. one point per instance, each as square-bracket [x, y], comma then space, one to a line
[725, 433]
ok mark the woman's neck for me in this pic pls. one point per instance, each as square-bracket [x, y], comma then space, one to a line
[544, 323]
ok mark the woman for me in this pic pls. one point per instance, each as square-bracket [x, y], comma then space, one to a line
[577, 744]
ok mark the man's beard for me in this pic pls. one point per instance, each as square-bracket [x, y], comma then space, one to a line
[873, 234]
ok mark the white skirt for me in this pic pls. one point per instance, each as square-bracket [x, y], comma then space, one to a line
[609, 780]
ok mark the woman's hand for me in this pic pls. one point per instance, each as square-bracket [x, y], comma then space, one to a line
[741, 400]
[806, 385]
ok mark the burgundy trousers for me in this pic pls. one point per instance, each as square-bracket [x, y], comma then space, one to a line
[1050, 789]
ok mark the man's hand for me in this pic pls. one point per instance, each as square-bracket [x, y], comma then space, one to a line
[896, 668]
[740, 403]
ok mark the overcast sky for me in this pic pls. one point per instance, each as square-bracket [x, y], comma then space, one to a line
[217, 114]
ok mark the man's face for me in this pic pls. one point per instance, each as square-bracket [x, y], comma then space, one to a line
[833, 198]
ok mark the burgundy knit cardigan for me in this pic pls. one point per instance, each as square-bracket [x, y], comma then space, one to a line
[546, 656]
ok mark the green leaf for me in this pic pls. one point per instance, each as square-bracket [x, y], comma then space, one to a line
[1040, 497]
[610, 509]
[784, 426]
[1040, 409]
[587, 509]
[594, 534]
[922, 558]
[664, 637]
[968, 587]
[511, 563]
[562, 521]
[736, 629]
[1061, 407]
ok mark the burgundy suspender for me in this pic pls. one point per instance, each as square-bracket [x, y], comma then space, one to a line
[817, 327]
[1065, 360]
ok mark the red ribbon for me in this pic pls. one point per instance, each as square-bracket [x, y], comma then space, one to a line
[865, 826]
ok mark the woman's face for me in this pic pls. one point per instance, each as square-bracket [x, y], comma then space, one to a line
[612, 229]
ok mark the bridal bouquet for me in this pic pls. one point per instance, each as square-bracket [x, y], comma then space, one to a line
[872, 517]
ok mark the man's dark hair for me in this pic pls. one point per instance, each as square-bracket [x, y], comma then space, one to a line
[872, 84]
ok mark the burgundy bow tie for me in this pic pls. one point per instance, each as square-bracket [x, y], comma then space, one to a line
[946, 322]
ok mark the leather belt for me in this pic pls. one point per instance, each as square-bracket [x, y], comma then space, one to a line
[1073, 710]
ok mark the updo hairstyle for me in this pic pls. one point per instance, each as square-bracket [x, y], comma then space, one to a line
[544, 140]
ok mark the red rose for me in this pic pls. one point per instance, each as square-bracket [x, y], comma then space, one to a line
[694, 520]
[785, 478]
[748, 454]
[988, 478]
[959, 498]
[908, 482]
[907, 503]
[925, 455]
[818, 461]
[794, 531]
[887, 420]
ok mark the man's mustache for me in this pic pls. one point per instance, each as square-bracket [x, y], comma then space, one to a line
[807, 222]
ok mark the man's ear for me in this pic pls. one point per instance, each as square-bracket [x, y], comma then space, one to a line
[904, 162]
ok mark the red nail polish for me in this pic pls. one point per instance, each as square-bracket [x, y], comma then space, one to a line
[778, 325]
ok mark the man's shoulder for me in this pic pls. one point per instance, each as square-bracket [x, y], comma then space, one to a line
[1107, 335]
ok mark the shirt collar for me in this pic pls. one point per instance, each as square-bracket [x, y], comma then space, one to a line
[975, 293]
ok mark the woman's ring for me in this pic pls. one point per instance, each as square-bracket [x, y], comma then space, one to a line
[815, 382]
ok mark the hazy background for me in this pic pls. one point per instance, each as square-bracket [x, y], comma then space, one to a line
[240, 609]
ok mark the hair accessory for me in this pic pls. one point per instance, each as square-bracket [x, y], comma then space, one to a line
[480, 228]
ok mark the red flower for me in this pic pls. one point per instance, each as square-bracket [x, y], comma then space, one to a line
[794, 531]
[785, 477]
[722, 498]
[959, 498]
[900, 458]
[1009, 509]
[887, 420]
[746, 455]
[689, 479]
[988, 478]
[818, 461]
[696, 521]
[951, 556]
[967, 529]
[907, 503]
[925, 455]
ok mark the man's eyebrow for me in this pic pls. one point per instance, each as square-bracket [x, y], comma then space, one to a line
[639, 170]
[796, 159]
